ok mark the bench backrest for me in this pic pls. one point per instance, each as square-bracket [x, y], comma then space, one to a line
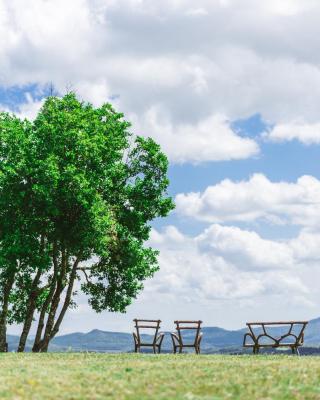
[294, 330]
[149, 324]
[183, 326]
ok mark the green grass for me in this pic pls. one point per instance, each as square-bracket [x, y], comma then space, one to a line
[129, 376]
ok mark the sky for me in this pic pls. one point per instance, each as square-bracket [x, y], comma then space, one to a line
[230, 89]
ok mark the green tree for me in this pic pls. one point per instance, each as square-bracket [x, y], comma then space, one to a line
[88, 192]
[19, 244]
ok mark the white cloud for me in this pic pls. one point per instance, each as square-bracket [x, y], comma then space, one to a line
[246, 249]
[195, 63]
[224, 276]
[306, 246]
[224, 263]
[197, 12]
[182, 72]
[210, 139]
[305, 133]
[28, 109]
[254, 199]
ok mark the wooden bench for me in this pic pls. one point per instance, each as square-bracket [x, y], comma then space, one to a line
[266, 335]
[178, 340]
[152, 324]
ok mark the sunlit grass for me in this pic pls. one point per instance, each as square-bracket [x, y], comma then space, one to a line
[130, 376]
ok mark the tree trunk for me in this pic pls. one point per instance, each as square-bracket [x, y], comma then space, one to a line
[44, 343]
[32, 302]
[67, 300]
[52, 328]
[30, 312]
[53, 286]
[37, 340]
[4, 312]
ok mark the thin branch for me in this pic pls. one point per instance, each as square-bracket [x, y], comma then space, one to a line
[85, 274]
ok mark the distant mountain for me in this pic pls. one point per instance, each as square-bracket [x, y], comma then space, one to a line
[95, 340]
[312, 334]
[214, 340]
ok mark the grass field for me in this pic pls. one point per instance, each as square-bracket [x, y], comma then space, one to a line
[129, 376]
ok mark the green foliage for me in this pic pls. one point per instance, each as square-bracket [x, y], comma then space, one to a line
[72, 187]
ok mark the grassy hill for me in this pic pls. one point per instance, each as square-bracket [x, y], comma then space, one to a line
[162, 377]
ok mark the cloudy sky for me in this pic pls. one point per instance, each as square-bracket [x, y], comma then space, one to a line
[231, 91]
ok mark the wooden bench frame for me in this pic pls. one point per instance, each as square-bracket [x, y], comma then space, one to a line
[177, 340]
[148, 324]
[277, 341]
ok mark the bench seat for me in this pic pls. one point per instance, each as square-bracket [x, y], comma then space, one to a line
[292, 335]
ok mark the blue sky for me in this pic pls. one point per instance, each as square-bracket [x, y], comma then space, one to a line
[230, 89]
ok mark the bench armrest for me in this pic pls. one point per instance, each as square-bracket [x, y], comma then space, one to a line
[159, 338]
[248, 334]
[301, 339]
[175, 339]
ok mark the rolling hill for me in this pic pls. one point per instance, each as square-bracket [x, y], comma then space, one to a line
[214, 339]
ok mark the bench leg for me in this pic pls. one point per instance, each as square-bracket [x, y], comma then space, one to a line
[295, 350]
[255, 349]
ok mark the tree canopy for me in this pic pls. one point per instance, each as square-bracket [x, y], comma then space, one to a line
[77, 194]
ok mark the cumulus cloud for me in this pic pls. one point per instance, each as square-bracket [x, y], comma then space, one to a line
[255, 199]
[303, 132]
[181, 73]
[225, 263]
[28, 109]
[306, 246]
[225, 283]
[246, 249]
[195, 63]
[210, 139]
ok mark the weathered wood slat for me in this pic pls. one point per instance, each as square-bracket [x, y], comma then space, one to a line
[147, 320]
[277, 323]
[188, 322]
